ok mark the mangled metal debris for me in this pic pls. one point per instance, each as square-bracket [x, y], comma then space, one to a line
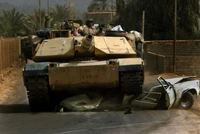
[168, 93]
[81, 103]
[163, 94]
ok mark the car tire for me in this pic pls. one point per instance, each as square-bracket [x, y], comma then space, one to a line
[187, 100]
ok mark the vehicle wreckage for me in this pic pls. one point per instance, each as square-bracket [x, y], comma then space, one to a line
[167, 93]
[163, 94]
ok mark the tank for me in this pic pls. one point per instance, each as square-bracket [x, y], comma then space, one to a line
[76, 64]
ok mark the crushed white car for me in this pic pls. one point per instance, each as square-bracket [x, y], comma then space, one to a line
[163, 94]
[168, 93]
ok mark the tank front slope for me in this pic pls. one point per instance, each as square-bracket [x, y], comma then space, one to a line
[83, 74]
[91, 74]
[109, 46]
[58, 48]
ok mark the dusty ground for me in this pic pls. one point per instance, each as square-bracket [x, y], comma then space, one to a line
[12, 90]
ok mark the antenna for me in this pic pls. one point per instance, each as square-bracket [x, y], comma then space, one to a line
[48, 6]
[71, 9]
[40, 12]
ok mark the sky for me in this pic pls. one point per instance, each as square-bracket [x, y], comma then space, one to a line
[81, 5]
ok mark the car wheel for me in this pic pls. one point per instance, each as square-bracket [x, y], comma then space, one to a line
[187, 100]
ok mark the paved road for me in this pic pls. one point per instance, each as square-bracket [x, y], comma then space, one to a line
[143, 122]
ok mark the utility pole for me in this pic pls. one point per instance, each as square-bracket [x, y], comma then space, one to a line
[47, 18]
[143, 23]
[74, 9]
[40, 12]
[174, 44]
[48, 6]
[112, 10]
[71, 9]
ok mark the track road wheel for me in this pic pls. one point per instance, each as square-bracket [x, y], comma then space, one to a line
[187, 100]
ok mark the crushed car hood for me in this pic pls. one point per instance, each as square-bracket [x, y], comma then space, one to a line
[180, 79]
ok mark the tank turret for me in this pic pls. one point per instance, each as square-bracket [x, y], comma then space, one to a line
[95, 47]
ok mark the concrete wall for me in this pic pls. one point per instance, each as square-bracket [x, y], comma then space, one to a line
[155, 63]
[183, 47]
[160, 53]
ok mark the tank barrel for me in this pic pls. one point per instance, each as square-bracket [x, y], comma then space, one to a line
[89, 37]
[87, 42]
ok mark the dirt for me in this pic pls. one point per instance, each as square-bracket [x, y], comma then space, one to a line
[153, 77]
[12, 90]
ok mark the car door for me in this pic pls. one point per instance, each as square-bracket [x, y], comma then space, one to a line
[170, 95]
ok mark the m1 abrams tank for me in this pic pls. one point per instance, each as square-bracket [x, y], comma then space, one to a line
[73, 64]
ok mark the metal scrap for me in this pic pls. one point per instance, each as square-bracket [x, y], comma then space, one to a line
[81, 103]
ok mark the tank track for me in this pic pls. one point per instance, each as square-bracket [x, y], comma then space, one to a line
[38, 93]
[131, 82]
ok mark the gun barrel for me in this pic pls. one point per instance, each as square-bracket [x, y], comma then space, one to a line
[88, 42]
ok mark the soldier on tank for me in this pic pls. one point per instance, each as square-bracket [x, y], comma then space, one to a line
[89, 29]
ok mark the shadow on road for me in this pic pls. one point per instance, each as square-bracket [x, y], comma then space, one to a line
[15, 108]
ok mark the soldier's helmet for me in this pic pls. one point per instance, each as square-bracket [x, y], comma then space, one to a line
[89, 21]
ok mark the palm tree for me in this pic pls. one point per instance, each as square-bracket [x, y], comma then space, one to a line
[60, 13]
[11, 23]
[32, 22]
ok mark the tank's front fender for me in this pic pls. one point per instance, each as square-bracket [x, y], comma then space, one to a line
[35, 69]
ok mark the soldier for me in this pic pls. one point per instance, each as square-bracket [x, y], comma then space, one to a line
[89, 29]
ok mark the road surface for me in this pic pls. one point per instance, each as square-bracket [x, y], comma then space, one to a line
[143, 122]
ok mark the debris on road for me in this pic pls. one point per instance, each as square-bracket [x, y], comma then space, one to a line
[81, 103]
[164, 94]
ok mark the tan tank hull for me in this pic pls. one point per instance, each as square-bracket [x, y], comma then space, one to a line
[88, 74]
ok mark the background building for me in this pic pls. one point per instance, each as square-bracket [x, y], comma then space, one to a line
[102, 17]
